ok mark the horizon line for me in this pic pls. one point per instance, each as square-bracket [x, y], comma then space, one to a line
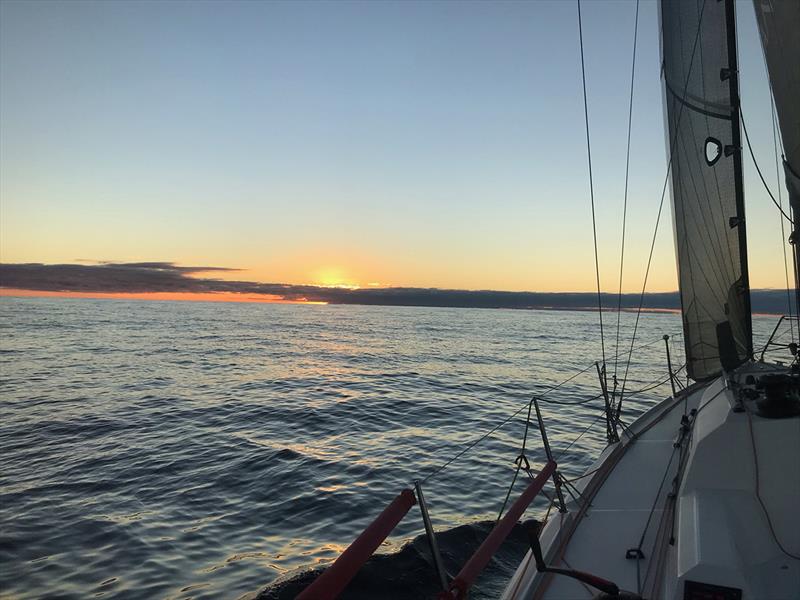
[241, 298]
[165, 280]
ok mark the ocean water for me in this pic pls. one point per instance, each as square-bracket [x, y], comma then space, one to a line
[217, 450]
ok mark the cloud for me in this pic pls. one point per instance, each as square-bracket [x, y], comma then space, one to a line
[164, 266]
[144, 277]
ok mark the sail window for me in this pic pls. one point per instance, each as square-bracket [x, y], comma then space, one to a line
[713, 151]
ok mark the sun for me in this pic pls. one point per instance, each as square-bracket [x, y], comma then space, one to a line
[333, 277]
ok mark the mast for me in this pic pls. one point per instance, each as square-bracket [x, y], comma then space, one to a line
[779, 26]
[738, 178]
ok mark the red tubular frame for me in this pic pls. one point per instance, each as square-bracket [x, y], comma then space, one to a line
[470, 571]
[336, 577]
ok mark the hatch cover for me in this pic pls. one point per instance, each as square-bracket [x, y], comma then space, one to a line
[695, 590]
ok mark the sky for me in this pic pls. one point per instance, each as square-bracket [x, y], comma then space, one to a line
[424, 144]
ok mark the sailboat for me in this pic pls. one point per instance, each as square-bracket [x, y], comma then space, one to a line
[698, 498]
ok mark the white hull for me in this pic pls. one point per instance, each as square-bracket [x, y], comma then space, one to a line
[700, 494]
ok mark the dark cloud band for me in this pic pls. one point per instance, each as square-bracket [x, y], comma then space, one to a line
[144, 277]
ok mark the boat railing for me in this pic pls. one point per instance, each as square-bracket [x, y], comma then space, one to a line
[773, 343]
[335, 578]
[469, 572]
[338, 575]
[333, 581]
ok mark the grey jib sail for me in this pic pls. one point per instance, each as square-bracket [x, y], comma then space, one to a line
[779, 25]
[701, 98]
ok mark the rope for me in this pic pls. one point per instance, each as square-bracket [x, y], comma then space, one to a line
[591, 424]
[780, 201]
[758, 170]
[660, 209]
[625, 195]
[650, 387]
[685, 444]
[607, 465]
[491, 431]
[522, 458]
[655, 385]
[579, 477]
[567, 380]
[541, 396]
[576, 403]
[758, 489]
[472, 445]
[644, 287]
[591, 186]
[650, 517]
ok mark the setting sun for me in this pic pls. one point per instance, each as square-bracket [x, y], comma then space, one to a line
[333, 277]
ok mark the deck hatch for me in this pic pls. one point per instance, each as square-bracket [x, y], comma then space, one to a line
[696, 590]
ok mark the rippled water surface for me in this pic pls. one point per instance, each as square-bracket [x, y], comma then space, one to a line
[177, 449]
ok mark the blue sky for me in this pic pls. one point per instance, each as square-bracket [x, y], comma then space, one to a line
[401, 143]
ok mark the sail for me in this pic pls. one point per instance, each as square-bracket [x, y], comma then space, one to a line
[698, 47]
[779, 25]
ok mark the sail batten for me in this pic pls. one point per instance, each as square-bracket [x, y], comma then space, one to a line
[702, 112]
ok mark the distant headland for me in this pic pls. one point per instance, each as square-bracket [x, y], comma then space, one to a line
[165, 278]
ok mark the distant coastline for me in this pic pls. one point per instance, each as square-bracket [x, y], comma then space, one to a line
[166, 281]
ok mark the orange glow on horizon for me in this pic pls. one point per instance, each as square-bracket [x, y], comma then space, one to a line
[179, 296]
[333, 277]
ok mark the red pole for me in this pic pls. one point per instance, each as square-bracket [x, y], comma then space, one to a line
[471, 570]
[336, 577]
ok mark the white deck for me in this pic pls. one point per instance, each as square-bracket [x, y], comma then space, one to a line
[721, 534]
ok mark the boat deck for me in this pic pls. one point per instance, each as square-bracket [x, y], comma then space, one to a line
[618, 515]
[702, 493]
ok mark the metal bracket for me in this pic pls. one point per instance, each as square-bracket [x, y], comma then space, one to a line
[634, 553]
[426, 519]
[562, 506]
[612, 437]
[669, 366]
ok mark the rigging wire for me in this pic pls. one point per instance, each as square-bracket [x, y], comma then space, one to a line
[575, 403]
[581, 434]
[596, 419]
[660, 209]
[780, 201]
[581, 372]
[541, 396]
[758, 170]
[472, 444]
[644, 287]
[591, 188]
[625, 195]
[650, 387]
